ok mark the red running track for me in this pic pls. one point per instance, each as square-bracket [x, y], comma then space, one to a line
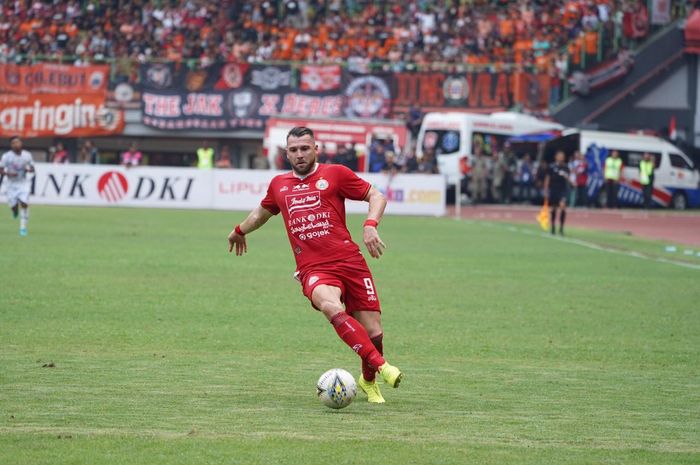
[665, 225]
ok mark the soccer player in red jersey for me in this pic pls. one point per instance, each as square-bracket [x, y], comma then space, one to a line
[333, 274]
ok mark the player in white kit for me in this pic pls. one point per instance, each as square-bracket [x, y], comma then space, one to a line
[15, 164]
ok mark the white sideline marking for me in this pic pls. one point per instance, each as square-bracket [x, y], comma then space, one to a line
[601, 248]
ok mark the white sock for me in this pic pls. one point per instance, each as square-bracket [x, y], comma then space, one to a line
[23, 217]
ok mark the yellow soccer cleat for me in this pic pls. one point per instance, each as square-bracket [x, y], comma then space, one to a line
[370, 388]
[392, 375]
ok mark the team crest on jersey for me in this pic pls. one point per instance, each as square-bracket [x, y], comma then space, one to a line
[322, 184]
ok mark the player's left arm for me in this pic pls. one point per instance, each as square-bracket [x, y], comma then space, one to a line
[30, 163]
[377, 204]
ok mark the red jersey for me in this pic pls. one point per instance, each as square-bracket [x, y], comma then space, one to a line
[313, 209]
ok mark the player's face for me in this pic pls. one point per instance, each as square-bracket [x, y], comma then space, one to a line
[302, 153]
[16, 145]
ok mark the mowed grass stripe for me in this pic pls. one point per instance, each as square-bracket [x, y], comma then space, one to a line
[167, 349]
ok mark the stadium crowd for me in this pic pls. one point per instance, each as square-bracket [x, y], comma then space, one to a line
[398, 34]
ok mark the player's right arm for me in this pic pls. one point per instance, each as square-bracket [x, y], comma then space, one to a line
[255, 220]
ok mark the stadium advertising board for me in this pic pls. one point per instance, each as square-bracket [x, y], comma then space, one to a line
[413, 194]
[49, 115]
[53, 79]
[156, 187]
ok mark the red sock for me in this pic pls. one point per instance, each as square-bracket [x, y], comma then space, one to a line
[356, 337]
[369, 372]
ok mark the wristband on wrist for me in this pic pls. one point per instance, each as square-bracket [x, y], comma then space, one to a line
[238, 230]
[372, 223]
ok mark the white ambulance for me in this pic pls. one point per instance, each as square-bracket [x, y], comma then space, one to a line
[676, 179]
[452, 136]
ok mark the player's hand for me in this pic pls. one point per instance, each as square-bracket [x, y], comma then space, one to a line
[375, 246]
[239, 241]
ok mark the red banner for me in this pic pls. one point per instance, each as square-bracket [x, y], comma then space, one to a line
[49, 115]
[320, 78]
[52, 78]
[475, 92]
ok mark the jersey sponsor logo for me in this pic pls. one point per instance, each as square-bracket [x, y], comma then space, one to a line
[112, 186]
[301, 187]
[322, 184]
[306, 201]
[314, 234]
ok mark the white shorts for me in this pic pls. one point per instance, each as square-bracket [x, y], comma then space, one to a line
[17, 192]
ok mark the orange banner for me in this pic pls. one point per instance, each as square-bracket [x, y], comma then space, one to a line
[52, 78]
[66, 115]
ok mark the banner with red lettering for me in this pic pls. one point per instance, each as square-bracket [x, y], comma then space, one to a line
[54, 78]
[66, 115]
[234, 95]
[475, 92]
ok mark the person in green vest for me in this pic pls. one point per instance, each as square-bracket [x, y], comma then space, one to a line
[205, 156]
[613, 173]
[646, 178]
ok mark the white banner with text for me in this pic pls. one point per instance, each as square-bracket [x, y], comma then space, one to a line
[162, 187]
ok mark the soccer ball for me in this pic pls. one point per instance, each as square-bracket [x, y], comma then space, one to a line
[336, 388]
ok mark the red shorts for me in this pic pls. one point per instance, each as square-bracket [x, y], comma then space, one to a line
[351, 275]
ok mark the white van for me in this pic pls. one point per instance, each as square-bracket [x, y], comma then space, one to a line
[676, 180]
[453, 135]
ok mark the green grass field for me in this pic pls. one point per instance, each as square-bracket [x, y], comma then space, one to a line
[131, 336]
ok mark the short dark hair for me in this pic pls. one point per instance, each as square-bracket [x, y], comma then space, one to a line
[300, 131]
[13, 138]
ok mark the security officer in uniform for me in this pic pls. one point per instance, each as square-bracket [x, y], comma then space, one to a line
[205, 156]
[613, 174]
[646, 178]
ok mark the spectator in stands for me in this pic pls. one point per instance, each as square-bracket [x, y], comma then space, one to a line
[323, 155]
[131, 157]
[479, 177]
[428, 164]
[260, 162]
[377, 153]
[579, 171]
[391, 166]
[409, 162]
[414, 118]
[526, 179]
[61, 155]
[224, 160]
[89, 153]
[347, 156]
[540, 174]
